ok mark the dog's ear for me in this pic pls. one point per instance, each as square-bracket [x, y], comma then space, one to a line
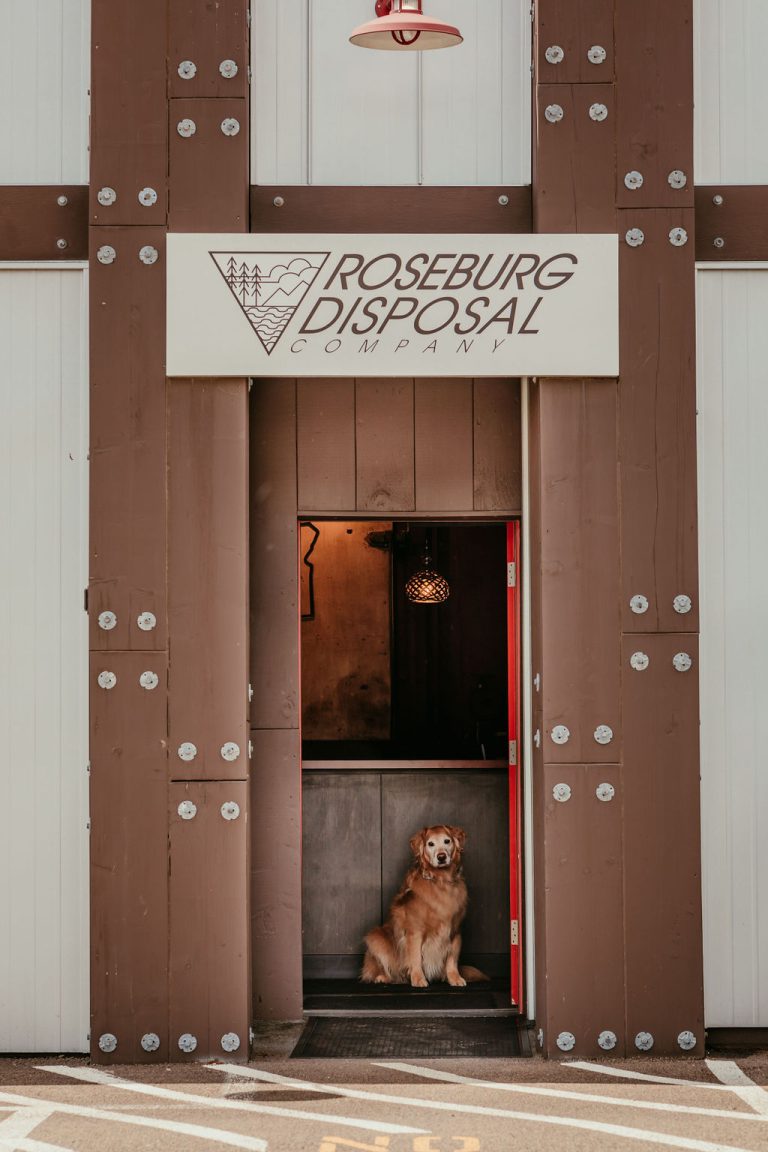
[459, 835]
[417, 842]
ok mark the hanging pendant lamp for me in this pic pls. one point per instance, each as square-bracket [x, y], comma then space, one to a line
[401, 26]
[427, 586]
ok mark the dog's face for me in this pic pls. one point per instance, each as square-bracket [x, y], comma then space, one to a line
[438, 846]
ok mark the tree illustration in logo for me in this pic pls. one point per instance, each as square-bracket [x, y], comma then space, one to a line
[269, 287]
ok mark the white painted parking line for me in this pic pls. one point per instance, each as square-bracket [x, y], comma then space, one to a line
[729, 1073]
[15, 1128]
[628, 1074]
[568, 1094]
[249, 1143]
[26, 1145]
[454, 1107]
[98, 1076]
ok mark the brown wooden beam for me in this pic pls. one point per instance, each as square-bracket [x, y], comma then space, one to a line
[44, 222]
[33, 222]
[395, 209]
[732, 222]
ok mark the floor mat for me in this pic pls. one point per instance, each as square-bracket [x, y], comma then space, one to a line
[368, 1038]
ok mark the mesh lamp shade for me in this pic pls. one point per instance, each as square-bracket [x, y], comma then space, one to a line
[426, 586]
[405, 28]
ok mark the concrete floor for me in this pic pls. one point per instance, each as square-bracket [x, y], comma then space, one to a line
[54, 1103]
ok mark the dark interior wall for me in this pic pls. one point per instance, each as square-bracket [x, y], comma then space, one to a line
[449, 669]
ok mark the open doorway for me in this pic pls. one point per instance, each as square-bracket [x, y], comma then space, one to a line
[405, 723]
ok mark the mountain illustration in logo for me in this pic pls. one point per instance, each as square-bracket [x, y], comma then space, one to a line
[269, 287]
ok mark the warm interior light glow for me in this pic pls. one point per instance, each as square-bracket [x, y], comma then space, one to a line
[427, 586]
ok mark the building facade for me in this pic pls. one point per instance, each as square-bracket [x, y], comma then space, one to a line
[168, 803]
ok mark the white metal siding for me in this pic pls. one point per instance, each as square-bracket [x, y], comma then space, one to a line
[733, 527]
[44, 69]
[731, 49]
[325, 112]
[43, 662]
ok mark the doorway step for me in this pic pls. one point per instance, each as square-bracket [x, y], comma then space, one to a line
[351, 998]
[432, 1037]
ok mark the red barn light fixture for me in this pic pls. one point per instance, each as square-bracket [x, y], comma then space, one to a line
[401, 26]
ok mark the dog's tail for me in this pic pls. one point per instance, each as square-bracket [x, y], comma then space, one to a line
[472, 975]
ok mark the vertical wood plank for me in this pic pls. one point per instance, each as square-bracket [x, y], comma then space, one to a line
[575, 165]
[583, 877]
[580, 568]
[325, 431]
[575, 26]
[385, 445]
[443, 445]
[276, 874]
[209, 969]
[129, 856]
[208, 575]
[212, 37]
[497, 446]
[662, 853]
[654, 101]
[208, 171]
[274, 556]
[657, 402]
[128, 460]
[129, 142]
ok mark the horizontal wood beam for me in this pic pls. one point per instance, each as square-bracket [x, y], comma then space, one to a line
[43, 222]
[390, 209]
[35, 225]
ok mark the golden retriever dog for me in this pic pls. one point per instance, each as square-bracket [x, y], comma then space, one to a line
[420, 939]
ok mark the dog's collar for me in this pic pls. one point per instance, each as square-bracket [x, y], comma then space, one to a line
[428, 875]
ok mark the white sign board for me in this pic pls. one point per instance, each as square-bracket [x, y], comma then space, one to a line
[378, 305]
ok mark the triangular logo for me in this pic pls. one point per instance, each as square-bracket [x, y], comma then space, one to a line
[269, 287]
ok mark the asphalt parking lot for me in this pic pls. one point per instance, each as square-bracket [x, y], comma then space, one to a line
[277, 1104]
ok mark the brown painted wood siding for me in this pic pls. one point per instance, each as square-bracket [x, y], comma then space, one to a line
[613, 503]
[419, 446]
[169, 472]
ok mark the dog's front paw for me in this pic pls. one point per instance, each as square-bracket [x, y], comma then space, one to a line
[419, 980]
[457, 981]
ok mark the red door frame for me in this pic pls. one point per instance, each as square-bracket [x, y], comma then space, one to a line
[515, 772]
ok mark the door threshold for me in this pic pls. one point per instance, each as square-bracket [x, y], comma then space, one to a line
[406, 1013]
